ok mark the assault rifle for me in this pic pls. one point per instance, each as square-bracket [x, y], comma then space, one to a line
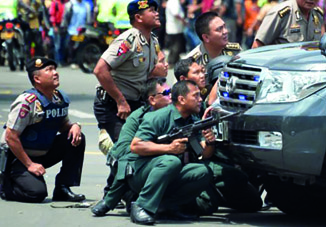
[190, 131]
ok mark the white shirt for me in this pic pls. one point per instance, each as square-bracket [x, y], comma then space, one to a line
[174, 25]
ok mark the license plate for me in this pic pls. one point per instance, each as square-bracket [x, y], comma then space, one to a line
[222, 131]
[78, 38]
[108, 39]
[7, 35]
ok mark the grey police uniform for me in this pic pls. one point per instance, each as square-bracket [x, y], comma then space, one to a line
[38, 120]
[200, 54]
[285, 23]
[132, 59]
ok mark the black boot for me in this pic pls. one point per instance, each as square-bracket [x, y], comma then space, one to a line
[63, 193]
[140, 215]
[100, 209]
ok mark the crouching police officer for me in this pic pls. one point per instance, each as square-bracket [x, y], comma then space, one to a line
[35, 118]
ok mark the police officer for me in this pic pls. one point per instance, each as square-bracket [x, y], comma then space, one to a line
[158, 95]
[125, 66]
[213, 34]
[35, 118]
[291, 21]
[162, 179]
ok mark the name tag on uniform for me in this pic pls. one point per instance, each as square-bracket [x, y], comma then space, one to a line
[317, 31]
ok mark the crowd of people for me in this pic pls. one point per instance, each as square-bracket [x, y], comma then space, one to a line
[134, 106]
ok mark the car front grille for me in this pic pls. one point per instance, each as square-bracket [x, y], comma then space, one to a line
[237, 86]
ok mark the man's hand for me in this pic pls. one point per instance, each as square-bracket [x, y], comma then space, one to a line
[209, 135]
[75, 132]
[178, 146]
[123, 110]
[36, 169]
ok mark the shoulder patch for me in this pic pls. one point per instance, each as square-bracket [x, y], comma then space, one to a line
[284, 11]
[124, 48]
[24, 110]
[319, 10]
[233, 46]
[31, 98]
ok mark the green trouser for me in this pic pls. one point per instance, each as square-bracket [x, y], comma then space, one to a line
[115, 193]
[163, 181]
[230, 188]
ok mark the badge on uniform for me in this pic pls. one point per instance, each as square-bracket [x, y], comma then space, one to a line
[143, 4]
[142, 39]
[294, 28]
[205, 59]
[157, 48]
[124, 48]
[24, 110]
[139, 48]
[31, 98]
[316, 20]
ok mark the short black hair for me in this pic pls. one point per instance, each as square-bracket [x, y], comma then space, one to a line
[202, 23]
[150, 87]
[182, 67]
[181, 88]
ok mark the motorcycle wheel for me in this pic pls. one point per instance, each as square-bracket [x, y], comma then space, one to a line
[12, 56]
[88, 57]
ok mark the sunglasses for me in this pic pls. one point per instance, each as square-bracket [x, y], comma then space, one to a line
[166, 92]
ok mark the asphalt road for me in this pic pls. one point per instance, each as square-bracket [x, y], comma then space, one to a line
[81, 89]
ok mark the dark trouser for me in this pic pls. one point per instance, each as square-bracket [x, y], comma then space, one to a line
[176, 45]
[162, 182]
[105, 110]
[22, 185]
[230, 188]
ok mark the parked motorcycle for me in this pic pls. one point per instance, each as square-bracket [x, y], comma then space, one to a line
[12, 44]
[95, 41]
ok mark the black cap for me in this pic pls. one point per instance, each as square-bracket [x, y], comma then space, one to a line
[138, 5]
[38, 63]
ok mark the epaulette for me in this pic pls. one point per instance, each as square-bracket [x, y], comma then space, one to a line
[233, 46]
[154, 35]
[196, 56]
[319, 10]
[31, 98]
[284, 11]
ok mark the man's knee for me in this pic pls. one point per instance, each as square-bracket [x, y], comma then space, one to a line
[171, 163]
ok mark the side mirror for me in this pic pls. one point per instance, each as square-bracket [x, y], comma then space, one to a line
[322, 45]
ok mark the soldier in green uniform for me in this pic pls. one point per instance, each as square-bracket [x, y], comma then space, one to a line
[157, 93]
[163, 179]
[291, 21]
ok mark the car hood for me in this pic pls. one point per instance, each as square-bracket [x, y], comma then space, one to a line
[302, 56]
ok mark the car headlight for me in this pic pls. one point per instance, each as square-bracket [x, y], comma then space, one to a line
[289, 86]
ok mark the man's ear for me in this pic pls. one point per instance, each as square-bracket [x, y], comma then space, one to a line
[36, 78]
[182, 77]
[181, 100]
[138, 18]
[151, 100]
[205, 38]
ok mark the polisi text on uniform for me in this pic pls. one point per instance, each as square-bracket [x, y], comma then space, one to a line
[58, 112]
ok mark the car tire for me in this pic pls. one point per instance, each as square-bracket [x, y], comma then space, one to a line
[296, 199]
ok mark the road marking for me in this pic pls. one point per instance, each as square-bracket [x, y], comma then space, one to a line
[5, 92]
[94, 153]
[80, 114]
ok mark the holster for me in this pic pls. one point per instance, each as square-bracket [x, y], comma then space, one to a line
[3, 161]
